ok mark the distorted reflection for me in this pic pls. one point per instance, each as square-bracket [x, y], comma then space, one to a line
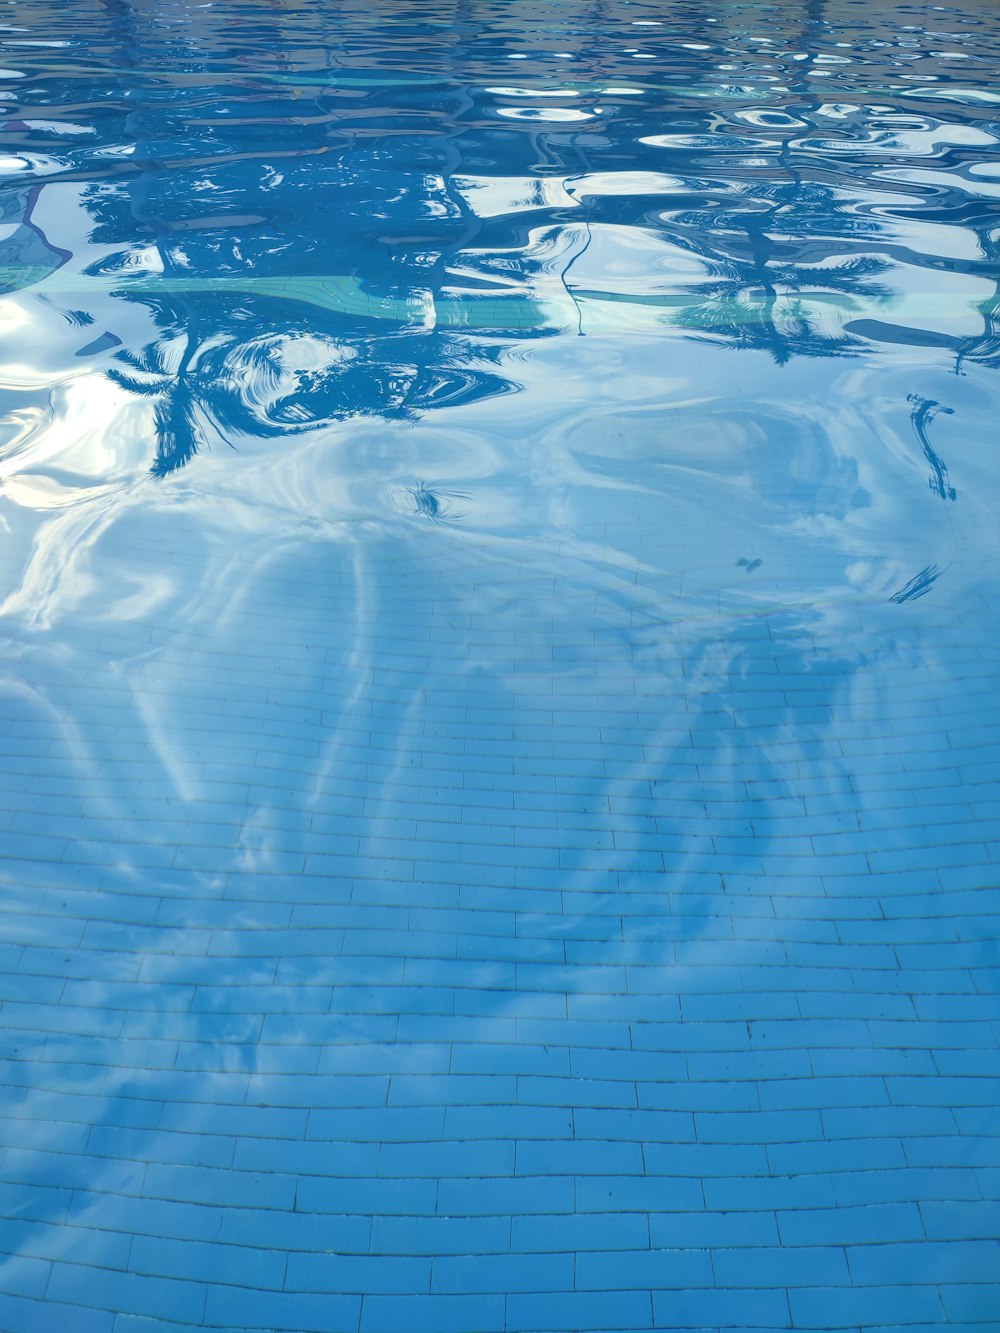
[763, 217]
[498, 564]
[924, 411]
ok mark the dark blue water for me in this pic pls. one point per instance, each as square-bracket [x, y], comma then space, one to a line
[499, 824]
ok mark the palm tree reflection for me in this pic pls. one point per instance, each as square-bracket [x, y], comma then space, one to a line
[232, 389]
[364, 182]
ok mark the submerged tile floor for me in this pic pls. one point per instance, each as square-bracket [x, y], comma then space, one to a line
[605, 974]
[499, 826]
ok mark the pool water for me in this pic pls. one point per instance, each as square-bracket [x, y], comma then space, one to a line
[500, 619]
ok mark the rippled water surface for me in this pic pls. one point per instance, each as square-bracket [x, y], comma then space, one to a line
[500, 625]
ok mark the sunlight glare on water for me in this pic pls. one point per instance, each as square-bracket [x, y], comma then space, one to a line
[498, 595]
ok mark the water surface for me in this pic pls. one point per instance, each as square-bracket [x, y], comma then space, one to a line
[498, 597]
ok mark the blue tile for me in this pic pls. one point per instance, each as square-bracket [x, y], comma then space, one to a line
[21, 1315]
[571, 1310]
[432, 1314]
[21, 1275]
[267, 1310]
[582, 1157]
[435, 1160]
[709, 1230]
[972, 1302]
[129, 1293]
[187, 1184]
[927, 1261]
[502, 1273]
[875, 1224]
[472, 1196]
[34, 1239]
[361, 1274]
[302, 1231]
[234, 1265]
[903, 1185]
[508, 1122]
[744, 1309]
[645, 1270]
[611, 1231]
[972, 1219]
[793, 1266]
[440, 1235]
[836, 1155]
[840, 1307]
[317, 1194]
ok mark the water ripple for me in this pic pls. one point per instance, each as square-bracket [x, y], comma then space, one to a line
[480, 464]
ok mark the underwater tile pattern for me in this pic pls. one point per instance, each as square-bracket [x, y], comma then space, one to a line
[499, 824]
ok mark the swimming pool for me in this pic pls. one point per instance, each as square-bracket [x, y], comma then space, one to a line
[498, 810]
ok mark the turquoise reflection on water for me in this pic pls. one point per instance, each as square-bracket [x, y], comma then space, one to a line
[498, 809]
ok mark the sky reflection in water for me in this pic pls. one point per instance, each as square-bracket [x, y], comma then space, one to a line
[492, 498]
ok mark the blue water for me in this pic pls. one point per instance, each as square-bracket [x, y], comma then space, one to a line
[500, 636]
